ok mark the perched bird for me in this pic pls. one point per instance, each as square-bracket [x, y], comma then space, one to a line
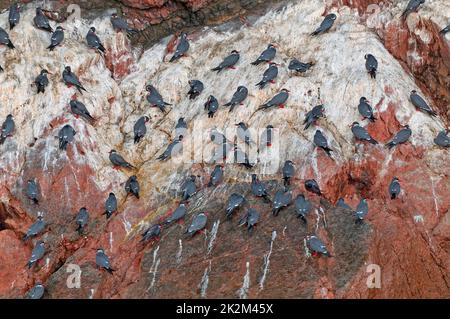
[155, 99]
[188, 188]
[36, 254]
[394, 188]
[302, 207]
[4, 39]
[93, 40]
[216, 176]
[361, 210]
[197, 224]
[313, 115]
[412, 6]
[341, 203]
[195, 88]
[316, 246]
[321, 141]
[102, 261]
[288, 172]
[120, 24]
[82, 220]
[371, 65]
[70, 79]
[361, 133]
[212, 106]
[151, 233]
[278, 100]
[41, 81]
[228, 62]
[365, 109]
[110, 205]
[177, 214]
[32, 191]
[37, 292]
[445, 30]
[35, 229]
[57, 38]
[269, 75]
[132, 186]
[282, 199]
[66, 135]
[244, 133]
[140, 129]
[41, 21]
[118, 161]
[217, 137]
[234, 202]
[238, 97]
[8, 127]
[401, 137]
[181, 127]
[241, 157]
[14, 15]
[182, 48]
[267, 136]
[175, 147]
[267, 55]
[299, 67]
[79, 109]
[250, 218]
[442, 139]
[326, 24]
[312, 186]
[420, 103]
[258, 189]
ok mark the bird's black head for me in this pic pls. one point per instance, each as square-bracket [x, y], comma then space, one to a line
[83, 208]
[289, 162]
[112, 194]
[181, 120]
[332, 16]
[413, 92]
[184, 35]
[180, 138]
[240, 124]
[273, 64]
[112, 151]
[269, 127]
[271, 46]
[9, 116]
[133, 177]
[395, 178]
[406, 126]
[241, 88]
[59, 28]
[285, 90]
[92, 29]
[40, 217]
[146, 118]
[44, 71]
[114, 15]
[192, 177]
[100, 250]
[38, 10]
[149, 87]
[355, 123]
[68, 69]
[362, 99]
[253, 177]
[235, 52]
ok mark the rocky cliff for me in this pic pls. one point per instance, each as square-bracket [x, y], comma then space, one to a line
[408, 238]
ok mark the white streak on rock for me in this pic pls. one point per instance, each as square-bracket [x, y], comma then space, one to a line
[213, 236]
[243, 291]
[205, 280]
[267, 261]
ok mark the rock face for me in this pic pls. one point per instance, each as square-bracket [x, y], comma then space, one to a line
[407, 238]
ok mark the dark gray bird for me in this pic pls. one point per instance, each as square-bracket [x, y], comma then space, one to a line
[267, 136]
[181, 127]
[244, 133]
[312, 186]
[361, 210]
[278, 100]
[57, 38]
[413, 5]
[250, 218]
[4, 39]
[82, 220]
[326, 24]
[341, 203]
[394, 188]
[212, 105]
[302, 207]
[321, 141]
[313, 115]
[37, 292]
[197, 224]
[155, 99]
[177, 214]
[14, 15]
[37, 253]
[41, 81]
[216, 176]
[234, 202]
[188, 188]
[110, 205]
[32, 191]
[66, 135]
[70, 79]
[365, 109]
[282, 199]
[79, 109]
[258, 189]
[299, 67]
[316, 246]
[420, 103]
[267, 55]
[120, 24]
[152, 232]
[8, 127]
[442, 139]
[140, 129]
[93, 40]
[182, 48]
[102, 261]
[172, 149]
[238, 97]
[288, 172]
[401, 137]
[361, 133]
[371, 65]
[132, 186]
[445, 30]
[241, 158]
[35, 229]
[269, 75]
[228, 62]
[41, 21]
[195, 88]
[118, 161]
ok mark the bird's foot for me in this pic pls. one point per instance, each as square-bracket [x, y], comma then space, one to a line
[281, 106]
